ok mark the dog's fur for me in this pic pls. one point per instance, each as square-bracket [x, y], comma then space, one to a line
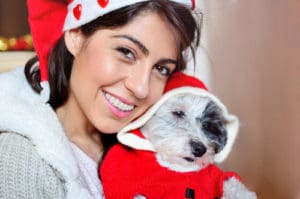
[186, 132]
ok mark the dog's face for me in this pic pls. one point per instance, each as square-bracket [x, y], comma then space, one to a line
[186, 131]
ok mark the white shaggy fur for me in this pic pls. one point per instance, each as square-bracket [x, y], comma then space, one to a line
[234, 189]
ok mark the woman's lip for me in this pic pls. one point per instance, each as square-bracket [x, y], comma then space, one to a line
[125, 101]
[116, 111]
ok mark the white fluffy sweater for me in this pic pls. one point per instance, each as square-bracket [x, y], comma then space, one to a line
[36, 159]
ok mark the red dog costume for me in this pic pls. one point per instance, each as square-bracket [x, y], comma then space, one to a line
[131, 168]
[126, 172]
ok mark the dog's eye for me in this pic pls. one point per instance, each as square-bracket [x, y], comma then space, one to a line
[179, 114]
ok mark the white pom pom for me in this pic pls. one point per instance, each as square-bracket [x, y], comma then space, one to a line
[45, 93]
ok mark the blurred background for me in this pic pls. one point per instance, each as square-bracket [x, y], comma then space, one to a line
[13, 18]
[250, 58]
[254, 53]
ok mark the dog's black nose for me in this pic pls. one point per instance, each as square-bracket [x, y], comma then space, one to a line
[198, 149]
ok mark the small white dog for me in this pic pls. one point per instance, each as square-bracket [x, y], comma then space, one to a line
[173, 153]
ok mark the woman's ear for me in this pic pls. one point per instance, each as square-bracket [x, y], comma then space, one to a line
[74, 40]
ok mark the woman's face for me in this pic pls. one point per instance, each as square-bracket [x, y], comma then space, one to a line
[118, 73]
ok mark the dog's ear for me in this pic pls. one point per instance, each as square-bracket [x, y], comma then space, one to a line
[232, 127]
[214, 125]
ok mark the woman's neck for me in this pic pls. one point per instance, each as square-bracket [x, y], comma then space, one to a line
[79, 130]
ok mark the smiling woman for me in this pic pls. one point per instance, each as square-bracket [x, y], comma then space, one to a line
[122, 64]
[98, 67]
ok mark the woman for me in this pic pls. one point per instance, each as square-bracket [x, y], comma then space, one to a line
[110, 65]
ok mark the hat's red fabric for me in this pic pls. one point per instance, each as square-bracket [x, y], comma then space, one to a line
[46, 19]
[180, 79]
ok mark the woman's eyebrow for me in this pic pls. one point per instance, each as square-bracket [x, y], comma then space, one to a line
[139, 44]
[167, 61]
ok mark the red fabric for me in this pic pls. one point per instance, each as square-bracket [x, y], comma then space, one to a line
[46, 19]
[193, 4]
[180, 79]
[127, 172]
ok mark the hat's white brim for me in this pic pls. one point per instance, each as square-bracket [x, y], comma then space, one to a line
[91, 10]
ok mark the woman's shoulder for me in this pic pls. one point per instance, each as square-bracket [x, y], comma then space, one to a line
[13, 145]
[24, 171]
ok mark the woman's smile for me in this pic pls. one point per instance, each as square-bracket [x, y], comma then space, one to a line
[122, 71]
[119, 107]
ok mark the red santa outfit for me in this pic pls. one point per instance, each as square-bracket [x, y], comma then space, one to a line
[131, 168]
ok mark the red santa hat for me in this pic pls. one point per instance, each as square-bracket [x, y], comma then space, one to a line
[48, 19]
[180, 83]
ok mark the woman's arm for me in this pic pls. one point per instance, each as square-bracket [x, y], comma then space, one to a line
[23, 173]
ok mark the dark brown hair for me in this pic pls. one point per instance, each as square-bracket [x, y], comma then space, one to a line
[61, 60]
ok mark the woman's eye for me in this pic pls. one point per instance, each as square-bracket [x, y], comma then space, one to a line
[163, 70]
[126, 52]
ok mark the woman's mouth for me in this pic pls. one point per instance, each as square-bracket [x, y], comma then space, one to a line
[118, 107]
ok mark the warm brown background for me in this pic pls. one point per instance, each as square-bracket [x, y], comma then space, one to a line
[13, 18]
[254, 49]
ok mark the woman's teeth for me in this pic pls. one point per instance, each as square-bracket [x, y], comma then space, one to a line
[118, 104]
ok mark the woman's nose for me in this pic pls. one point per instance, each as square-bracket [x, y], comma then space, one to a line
[138, 81]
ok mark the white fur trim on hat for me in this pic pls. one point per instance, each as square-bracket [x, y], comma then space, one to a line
[140, 143]
[81, 12]
[45, 93]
